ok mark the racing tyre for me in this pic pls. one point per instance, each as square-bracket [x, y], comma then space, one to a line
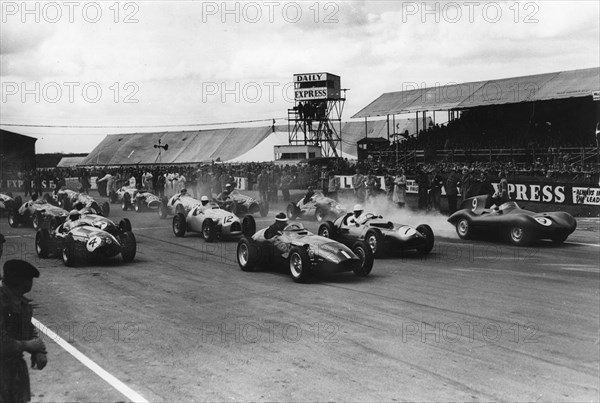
[129, 247]
[18, 202]
[320, 214]
[124, 203]
[518, 236]
[68, 252]
[162, 210]
[263, 209]
[179, 225]
[113, 196]
[247, 254]
[327, 230]
[248, 226]
[36, 221]
[105, 209]
[180, 209]
[125, 225]
[292, 211]
[13, 218]
[42, 243]
[138, 207]
[427, 246]
[463, 228]
[208, 230]
[364, 252]
[374, 238]
[299, 264]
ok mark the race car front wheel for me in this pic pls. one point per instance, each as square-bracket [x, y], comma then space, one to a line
[36, 221]
[320, 214]
[374, 239]
[299, 264]
[68, 252]
[327, 230]
[179, 225]
[365, 254]
[247, 254]
[429, 240]
[129, 247]
[463, 228]
[13, 218]
[291, 211]
[518, 236]
[42, 243]
[208, 230]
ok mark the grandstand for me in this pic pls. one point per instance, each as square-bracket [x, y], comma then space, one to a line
[551, 117]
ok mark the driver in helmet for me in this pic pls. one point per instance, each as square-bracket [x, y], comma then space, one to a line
[309, 195]
[277, 227]
[225, 197]
[71, 222]
[204, 205]
[356, 218]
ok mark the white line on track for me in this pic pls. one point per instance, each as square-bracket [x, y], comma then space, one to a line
[584, 244]
[102, 373]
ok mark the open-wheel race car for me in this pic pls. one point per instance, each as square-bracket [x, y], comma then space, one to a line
[213, 222]
[380, 234]
[179, 203]
[38, 213]
[241, 205]
[137, 199]
[87, 237]
[8, 203]
[304, 253]
[70, 199]
[318, 206]
[510, 222]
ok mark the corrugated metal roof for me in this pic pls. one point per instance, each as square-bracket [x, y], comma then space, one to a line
[558, 85]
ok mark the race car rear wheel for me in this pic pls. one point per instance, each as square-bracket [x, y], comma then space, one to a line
[179, 225]
[327, 230]
[463, 228]
[129, 247]
[208, 230]
[36, 221]
[247, 254]
[162, 210]
[292, 211]
[427, 245]
[263, 209]
[320, 214]
[42, 243]
[299, 264]
[105, 209]
[138, 206]
[518, 236]
[68, 252]
[125, 225]
[13, 218]
[248, 226]
[364, 252]
[374, 239]
[18, 202]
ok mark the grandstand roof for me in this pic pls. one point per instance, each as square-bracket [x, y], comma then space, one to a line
[185, 147]
[558, 85]
[239, 144]
[69, 162]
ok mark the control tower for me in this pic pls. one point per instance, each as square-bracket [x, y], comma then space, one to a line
[316, 118]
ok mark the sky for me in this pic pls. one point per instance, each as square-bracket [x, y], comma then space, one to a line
[72, 72]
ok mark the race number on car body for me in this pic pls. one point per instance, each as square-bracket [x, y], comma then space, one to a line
[93, 243]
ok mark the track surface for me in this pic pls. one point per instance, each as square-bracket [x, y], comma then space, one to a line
[472, 321]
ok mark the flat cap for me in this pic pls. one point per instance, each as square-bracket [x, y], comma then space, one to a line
[14, 269]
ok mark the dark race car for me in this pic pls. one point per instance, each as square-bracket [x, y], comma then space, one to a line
[319, 207]
[304, 253]
[89, 237]
[381, 235]
[241, 205]
[7, 203]
[510, 222]
[69, 199]
[37, 213]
